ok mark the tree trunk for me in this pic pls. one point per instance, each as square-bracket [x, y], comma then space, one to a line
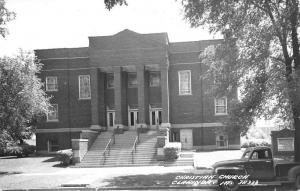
[295, 91]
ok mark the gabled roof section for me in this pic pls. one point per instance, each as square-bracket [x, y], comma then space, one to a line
[128, 39]
[126, 32]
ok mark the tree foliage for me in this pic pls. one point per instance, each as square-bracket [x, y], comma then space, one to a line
[22, 99]
[5, 17]
[267, 65]
[109, 4]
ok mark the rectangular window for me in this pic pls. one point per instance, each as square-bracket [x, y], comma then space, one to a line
[110, 80]
[132, 80]
[53, 145]
[222, 141]
[285, 144]
[52, 114]
[51, 83]
[221, 106]
[154, 79]
[185, 82]
[84, 87]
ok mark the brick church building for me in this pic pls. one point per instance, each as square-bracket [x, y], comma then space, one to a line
[131, 80]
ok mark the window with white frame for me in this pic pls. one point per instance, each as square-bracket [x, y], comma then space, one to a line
[154, 78]
[51, 83]
[185, 87]
[285, 144]
[222, 141]
[52, 114]
[84, 87]
[221, 106]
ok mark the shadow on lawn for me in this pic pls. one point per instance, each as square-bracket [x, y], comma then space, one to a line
[2, 173]
[52, 159]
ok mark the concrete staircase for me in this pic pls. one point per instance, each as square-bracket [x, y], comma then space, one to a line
[121, 152]
[146, 150]
[94, 156]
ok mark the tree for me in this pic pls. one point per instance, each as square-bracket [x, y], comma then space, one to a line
[5, 16]
[22, 99]
[262, 36]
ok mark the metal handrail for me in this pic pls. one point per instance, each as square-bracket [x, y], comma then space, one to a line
[106, 150]
[133, 150]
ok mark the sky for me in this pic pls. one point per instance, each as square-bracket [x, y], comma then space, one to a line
[42, 24]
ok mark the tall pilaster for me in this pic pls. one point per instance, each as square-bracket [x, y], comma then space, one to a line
[95, 122]
[164, 71]
[141, 96]
[118, 97]
[163, 137]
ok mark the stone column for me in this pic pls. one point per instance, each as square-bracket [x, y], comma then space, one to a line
[141, 96]
[94, 83]
[118, 97]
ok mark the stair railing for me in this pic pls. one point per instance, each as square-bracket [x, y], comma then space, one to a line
[106, 150]
[133, 150]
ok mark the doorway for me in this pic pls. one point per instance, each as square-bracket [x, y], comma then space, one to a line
[110, 119]
[155, 117]
[133, 119]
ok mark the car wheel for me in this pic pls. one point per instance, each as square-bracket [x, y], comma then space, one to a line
[233, 186]
[297, 181]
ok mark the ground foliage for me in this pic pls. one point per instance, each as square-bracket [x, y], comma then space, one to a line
[22, 99]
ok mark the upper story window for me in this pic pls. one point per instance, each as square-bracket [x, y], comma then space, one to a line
[185, 87]
[221, 106]
[52, 114]
[51, 83]
[84, 87]
[110, 80]
[132, 80]
[154, 78]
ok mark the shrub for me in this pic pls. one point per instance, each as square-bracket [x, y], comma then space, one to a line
[65, 156]
[20, 150]
[255, 143]
[171, 153]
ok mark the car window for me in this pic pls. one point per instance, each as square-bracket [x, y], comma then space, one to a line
[260, 154]
[254, 155]
[246, 155]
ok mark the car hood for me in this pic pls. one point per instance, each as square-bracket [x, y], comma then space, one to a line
[229, 163]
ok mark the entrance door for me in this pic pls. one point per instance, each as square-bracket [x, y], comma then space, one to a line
[110, 119]
[132, 118]
[186, 138]
[155, 117]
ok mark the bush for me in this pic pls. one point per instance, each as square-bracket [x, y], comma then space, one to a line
[65, 156]
[171, 153]
[255, 143]
[20, 150]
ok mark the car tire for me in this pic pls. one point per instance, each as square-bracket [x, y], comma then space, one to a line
[297, 181]
[230, 187]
